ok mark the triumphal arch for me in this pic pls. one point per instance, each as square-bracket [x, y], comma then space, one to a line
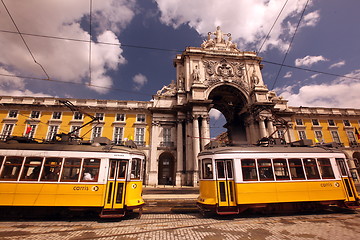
[215, 75]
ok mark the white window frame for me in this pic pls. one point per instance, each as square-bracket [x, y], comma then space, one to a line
[77, 132]
[7, 130]
[299, 122]
[118, 135]
[335, 138]
[347, 123]
[35, 114]
[52, 131]
[314, 120]
[319, 137]
[166, 135]
[351, 136]
[31, 134]
[302, 134]
[77, 114]
[13, 112]
[100, 116]
[331, 125]
[55, 115]
[97, 132]
[140, 118]
[140, 136]
[118, 116]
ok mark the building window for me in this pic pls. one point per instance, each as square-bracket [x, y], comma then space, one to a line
[75, 130]
[351, 136]
[35, 114]
[7, 130]
[30, 131]
[118, 135]
[302, 135]
[315, 122]
[140, 118]
[299, 122]
[97, 132]
[331, 122]
[167, 135]
[78, 116]
[52, 132]
[319, 136]
[347, 123]
[120, 117]
[56, 115]
[13, 113]
[100, 116]
[335, 136]
[140, 136]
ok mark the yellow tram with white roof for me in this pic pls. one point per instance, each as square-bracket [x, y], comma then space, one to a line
[107, 179]
[274, 178]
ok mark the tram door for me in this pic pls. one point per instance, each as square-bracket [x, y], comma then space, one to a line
[115, 189]
[345, 176]
[225, 183]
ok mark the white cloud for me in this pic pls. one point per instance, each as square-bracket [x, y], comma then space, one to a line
[214, 113]
[341, 93]
[288, 75]
[65, 60]
[309, 60]
[315, 75]
[311, 19]
[338, 64]
[248, 23]
[139, 81]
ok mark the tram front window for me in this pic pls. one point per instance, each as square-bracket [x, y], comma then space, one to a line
[135, 168]
[207, 169]
[11, 168]
[31, 170]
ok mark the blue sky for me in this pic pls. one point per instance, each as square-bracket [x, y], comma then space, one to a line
[135, 41]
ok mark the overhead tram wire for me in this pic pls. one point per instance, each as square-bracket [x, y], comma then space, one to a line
[289, 47]
[23, 39]
[90, 34]
[267, 36]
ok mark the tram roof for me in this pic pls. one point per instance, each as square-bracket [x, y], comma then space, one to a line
[69, 147]
[272, 149]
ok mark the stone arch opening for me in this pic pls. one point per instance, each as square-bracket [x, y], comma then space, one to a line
[231, 101]
[166, 169]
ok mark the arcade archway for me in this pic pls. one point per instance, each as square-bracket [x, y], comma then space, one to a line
[231, 102]
[166, 171]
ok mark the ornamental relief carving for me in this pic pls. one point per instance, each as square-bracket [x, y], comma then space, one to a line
[225, 71]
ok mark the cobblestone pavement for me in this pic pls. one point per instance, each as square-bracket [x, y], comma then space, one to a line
[325, 225]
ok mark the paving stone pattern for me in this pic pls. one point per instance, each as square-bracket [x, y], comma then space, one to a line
[315, 226]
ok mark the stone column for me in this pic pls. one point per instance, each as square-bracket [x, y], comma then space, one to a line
[271, 129]
[196, 149]
[205, 131]
[189, 152]
[153, 163]
[262, 128]
[180, 154]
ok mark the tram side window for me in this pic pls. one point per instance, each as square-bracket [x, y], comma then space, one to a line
[207, 169]
[249, 170]
[51, 171]
[265, 170]
[135, 168]
[296, 169]
[311, 169]
[71, 170]
[326, 168]
[342, 167]
[11, 168]
[31, 170]
[281, 169]
[1, 161]
[90, 170]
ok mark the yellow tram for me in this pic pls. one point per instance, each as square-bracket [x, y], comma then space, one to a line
[107, 179]
[234, 179]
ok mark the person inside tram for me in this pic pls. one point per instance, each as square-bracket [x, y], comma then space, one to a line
[35, 173]
[54, 175]
[87, 175]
